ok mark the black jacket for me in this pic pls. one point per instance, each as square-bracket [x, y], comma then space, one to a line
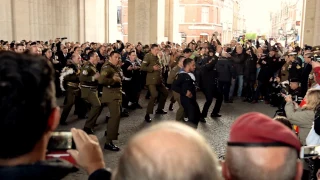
[209, 73]
[225, 70]
[250, 67]
[49, 170]
[238, 63]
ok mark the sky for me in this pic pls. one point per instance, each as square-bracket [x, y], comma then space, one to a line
[257, 13]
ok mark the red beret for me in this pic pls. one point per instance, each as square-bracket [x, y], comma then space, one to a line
[256, 129]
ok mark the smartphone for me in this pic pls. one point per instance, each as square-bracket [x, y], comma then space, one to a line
[61, 141]
[309, 151]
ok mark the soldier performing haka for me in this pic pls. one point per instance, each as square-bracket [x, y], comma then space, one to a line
[154, 82]
[70, 77]
[175, 95]
[89, 90]
[111, 80]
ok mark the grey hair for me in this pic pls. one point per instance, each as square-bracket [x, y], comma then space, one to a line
[197, 163]
[241, 168]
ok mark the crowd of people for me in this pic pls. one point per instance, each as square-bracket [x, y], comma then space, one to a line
[94, 75]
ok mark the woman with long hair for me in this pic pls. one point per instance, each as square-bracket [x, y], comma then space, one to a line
[303, 117]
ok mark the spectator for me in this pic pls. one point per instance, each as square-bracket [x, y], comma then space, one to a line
[29, 114]
[149, 155]
[261, 148]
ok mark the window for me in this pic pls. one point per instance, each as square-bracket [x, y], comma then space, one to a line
[182, 13]
[119, 15]
[205, 15]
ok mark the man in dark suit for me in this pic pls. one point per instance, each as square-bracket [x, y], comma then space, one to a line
[63, 56]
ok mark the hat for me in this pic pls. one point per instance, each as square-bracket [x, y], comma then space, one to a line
[316, 49]
[274, 49]
[33, 43]
[258, 130]
[294, 80]
[187, 50]
[292, 53]
[306, 47]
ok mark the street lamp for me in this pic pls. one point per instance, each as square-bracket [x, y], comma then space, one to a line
[281, 32]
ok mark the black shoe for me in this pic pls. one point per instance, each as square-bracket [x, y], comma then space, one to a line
[124, 114]
[171, 107]
[203, 120]
[63, 123]
[161, 112]
[88, 130]
[147, 118]
[105, 133]
[138, 106]
[110, 146]
[213, 115]
[107, 119]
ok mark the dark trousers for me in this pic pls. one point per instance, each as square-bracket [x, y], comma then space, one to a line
[262, 89]
[127, 87]
[211, 93]
[249, 88]
[224, 87]
[304, 88]
[191, 109]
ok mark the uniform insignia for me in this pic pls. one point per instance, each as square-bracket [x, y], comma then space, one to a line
[85, 72]
[298, 67]
[144, 62]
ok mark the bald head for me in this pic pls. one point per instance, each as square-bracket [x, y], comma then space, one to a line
[166, 151]
[264, 163]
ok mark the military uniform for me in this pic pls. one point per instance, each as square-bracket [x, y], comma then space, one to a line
[186, 82]
[284, 72]
[112, 96]
[295, 69]
[89, 92]
[154, 82]
[73, 93]
[175, 96]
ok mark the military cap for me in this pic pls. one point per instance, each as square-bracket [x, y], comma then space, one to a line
[258, 130]
[292, 53]
[294, 80]
[306, 47]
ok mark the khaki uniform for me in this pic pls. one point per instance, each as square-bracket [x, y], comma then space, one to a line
[89, 92]
[112, 96]
[171, 78]
[154, 82]
[72, 91]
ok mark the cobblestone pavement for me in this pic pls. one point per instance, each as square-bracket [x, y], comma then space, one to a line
[216, 131]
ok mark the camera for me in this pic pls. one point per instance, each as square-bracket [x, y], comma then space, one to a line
[61, 141]
[315, 58]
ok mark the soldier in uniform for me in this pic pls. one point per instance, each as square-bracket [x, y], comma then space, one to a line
[111, 79]
[154, 82]
[70, 75]
[175, 95]
[295, 66]
[186, 83]
[89, 90]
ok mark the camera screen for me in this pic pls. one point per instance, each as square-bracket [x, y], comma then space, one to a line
[60, 141]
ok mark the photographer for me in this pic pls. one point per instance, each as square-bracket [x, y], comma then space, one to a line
[29, 114]
[303, 117]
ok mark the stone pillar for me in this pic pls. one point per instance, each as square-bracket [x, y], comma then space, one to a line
[6, 20]
[311, 23]
[146, 21]
[81, 20]
[172, 21]
[111, 21]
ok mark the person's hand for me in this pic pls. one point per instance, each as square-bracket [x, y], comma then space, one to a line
[270, 80]
[101, 61]
[136, 67]
[96, 76]
[296, 105]
[130, 68]
[88, 154]
[278, 79]
[116, 78]
[288, 98]
[264, 62]
[156, 67]
[225, 54]
[189, 94]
